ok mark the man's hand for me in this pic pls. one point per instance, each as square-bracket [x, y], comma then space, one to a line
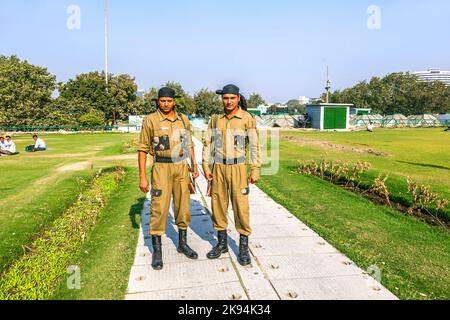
[195, 173]
[254, 179]
[144, 185]
[209, 176]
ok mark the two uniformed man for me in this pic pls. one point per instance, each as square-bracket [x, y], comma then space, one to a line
[231, 137]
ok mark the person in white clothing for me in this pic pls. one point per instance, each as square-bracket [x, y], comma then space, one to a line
[39, 144]
[9, 147]
[2, 143]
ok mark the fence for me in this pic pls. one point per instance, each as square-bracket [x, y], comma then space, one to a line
[56, 128]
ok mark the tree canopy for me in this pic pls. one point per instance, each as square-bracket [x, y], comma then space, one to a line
[255, 100]
[207, 102]
[397, 93]
[25, 91]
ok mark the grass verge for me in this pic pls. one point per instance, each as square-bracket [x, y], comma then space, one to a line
[35, 275]
[412, 256]
[108, 253]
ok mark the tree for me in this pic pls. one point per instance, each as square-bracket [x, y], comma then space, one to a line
[89, 91]
[295, 107]
[207, 102]
[92, 118]
[397, 93]
[255, 100]
[149, 103]
[122, 89]
[25, 91]
[185, 104]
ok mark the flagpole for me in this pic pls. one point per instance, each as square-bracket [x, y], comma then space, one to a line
[106, 41]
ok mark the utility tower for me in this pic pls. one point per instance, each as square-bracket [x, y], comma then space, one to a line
[328, 87]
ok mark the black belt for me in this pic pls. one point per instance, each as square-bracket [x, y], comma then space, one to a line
[168, 160]
[230, 161]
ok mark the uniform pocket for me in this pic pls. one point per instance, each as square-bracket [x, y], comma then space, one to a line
[240, 142]
[156, 193]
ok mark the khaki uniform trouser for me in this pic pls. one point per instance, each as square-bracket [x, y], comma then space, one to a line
[231, 182]
[169, 179]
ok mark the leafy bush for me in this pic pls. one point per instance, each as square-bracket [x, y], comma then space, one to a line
[92, 119]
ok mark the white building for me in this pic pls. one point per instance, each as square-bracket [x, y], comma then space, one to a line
[140, 93]
[304, 100]
[263, 108]
[434, 74]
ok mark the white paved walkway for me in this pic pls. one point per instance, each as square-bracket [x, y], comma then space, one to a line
[290, 261]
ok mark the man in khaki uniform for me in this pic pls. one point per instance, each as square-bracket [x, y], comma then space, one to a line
[166, 136]
[228, 139]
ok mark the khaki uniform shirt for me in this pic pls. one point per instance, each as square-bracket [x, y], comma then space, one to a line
[158, 125]
[232, 139]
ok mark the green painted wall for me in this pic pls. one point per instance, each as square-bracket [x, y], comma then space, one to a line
[254, 112]
[335, 118]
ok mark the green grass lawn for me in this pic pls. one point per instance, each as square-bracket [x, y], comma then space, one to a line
[413, 256]
[104, 272]
[423, 154]
[35, 191]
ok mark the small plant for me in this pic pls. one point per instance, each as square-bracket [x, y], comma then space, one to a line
[356, 172]
[442, 204]
[423, 198]
[334, 170]
[131, 146]
[379, 188]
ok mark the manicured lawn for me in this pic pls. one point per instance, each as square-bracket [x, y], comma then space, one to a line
[35, 191]
[423, 154]
[413, 256]
[108, 253]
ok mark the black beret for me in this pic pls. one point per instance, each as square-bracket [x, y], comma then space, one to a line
[167, 93]
[229, 89]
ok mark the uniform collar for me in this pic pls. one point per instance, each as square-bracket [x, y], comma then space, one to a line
[162, 116]
[239, 114]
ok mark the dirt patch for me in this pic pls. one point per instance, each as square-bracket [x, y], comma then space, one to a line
[79, 166]
[67, 155]
[331, 145]
[121, 157]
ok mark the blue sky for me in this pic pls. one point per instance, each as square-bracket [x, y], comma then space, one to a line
[277, 48]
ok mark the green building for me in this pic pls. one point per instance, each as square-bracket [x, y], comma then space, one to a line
[255, 111]
[329, 116]
[360, 111]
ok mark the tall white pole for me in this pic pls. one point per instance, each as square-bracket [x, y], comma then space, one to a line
[106, 41]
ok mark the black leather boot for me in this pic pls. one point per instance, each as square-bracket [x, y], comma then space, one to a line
[183, 246]
[244, 254]
[157, 262]
[221, 247]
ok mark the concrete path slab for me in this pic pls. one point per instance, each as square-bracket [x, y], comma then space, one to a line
[289, 260]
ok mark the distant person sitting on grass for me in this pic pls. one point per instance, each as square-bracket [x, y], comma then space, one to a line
[370, 127]
[2, 144]
[38, 146]
[8, 148]
[448, 128]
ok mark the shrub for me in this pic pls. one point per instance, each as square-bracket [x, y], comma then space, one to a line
[92, 118]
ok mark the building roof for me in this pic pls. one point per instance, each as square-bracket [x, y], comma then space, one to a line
[331, 105]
